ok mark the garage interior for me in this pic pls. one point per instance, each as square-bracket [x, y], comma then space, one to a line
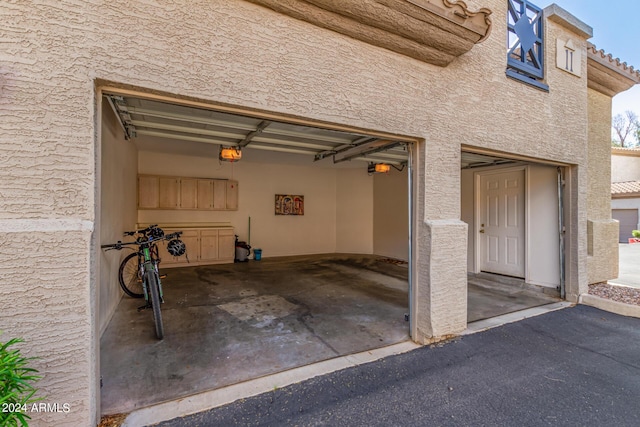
[514, 211]
[332, 281]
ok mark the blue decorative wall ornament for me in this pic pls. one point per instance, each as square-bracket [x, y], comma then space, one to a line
[525, 43]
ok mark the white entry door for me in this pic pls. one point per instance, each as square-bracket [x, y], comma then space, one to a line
[501, 223]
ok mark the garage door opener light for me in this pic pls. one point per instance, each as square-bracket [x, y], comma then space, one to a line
[230, 154]
[378, 168]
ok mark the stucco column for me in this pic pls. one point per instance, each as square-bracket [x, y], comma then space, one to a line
[439, 298]
[575, 236]
[602, 231]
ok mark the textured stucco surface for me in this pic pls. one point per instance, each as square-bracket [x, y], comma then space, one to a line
[602, 249]
[625, 167]
[441, 309]
[45, 300]
[599, 199]
[602, 231]
[240, 54]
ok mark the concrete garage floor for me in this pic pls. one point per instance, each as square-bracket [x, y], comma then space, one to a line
[229, 323]
[491, 295]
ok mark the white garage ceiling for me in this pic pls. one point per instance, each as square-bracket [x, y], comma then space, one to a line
[161, 126]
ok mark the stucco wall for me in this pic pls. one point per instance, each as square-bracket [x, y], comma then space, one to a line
[625, 203]
[625, 167]
[118, 211]
[602, 231]
[391, 215]
[237, 53]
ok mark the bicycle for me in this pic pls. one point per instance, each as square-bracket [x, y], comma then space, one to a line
[130, 275]
[147, 266]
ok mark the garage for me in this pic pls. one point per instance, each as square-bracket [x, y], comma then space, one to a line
[326, 209]
[628, 219]
[317, 222]
[515, 252]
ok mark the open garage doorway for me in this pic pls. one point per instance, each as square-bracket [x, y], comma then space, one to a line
[514, 210]
[333, 274]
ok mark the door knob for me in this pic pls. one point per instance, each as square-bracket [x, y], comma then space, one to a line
[482, 231]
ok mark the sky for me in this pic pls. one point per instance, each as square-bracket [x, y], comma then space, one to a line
[616, 30]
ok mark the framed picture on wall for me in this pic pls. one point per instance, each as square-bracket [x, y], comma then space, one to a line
[289, 204]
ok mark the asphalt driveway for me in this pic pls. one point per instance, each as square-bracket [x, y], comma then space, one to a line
[629, 273]
[574, 367]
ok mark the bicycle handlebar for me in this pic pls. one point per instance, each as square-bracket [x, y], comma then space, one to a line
[119, 245]
[141, 231]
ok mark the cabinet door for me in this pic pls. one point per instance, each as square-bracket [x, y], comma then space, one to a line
[147, 192]
[205, 194]
[190, 239]
[226, 244]
[219, 194]
[232, 195]
[188, 193]
[169, 192]
[208, 245]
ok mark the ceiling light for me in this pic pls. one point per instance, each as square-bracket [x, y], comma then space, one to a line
[378, 168]
[230, 154]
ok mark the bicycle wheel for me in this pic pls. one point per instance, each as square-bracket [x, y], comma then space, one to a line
[153, 286]
[129, 276]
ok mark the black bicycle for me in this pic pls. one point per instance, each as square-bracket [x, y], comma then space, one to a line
[140, 269]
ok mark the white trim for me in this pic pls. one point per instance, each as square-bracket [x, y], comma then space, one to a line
[44, 225]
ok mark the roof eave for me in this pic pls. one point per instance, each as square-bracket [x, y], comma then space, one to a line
[609, 75]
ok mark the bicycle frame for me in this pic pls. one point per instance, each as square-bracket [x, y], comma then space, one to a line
[148, 259]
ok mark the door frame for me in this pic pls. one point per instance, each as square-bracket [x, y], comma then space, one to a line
[477, 213]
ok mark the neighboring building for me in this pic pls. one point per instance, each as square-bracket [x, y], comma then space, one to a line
[625, 190]
[504, 123]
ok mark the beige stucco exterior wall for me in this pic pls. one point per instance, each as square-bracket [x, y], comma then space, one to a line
[602, 231]
[625, 167]
[119, 163]
[237, 53]
[391, 215]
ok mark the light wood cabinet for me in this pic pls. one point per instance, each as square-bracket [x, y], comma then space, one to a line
[208, 245]
[219, 194]
[188, 193]
[232, 195]
[148, 192]
[205, 194]
[204, 246]
[226, 244]
[170, 192]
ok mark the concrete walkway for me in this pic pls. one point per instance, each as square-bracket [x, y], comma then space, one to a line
[629, 274]
[577, 366]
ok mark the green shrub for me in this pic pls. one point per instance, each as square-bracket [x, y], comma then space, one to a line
[635, 233]
[16, 389]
